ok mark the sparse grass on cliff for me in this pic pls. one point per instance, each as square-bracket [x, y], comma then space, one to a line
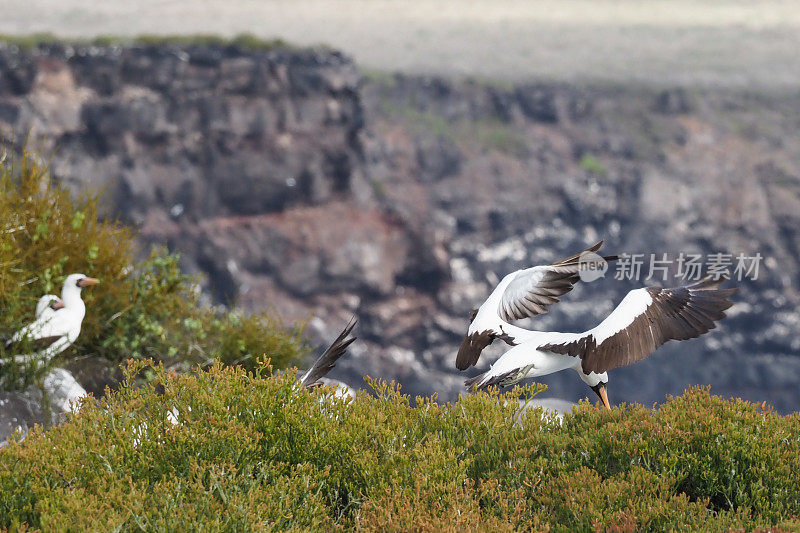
[486, 134]
[245, 41]
[254, 453]
[592, 165]
[139, 310]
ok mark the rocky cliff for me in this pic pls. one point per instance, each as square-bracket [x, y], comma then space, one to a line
[292, 182]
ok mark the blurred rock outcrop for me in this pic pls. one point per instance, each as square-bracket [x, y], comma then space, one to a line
[292, 183]
[59, 393]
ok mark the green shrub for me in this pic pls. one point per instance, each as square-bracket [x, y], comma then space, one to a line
[158, 315]
[145, 310]
[592, 165]
[256, 453]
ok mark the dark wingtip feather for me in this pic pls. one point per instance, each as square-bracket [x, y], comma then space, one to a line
[708, 287]
[328, 359]
[708, 283]
[573, 259]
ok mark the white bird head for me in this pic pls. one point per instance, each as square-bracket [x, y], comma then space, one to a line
[73, 285]
[80, 281]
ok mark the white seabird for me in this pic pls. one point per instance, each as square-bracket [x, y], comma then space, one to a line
[644, 320]
[521, 294]
[53, 332]
[45, 309]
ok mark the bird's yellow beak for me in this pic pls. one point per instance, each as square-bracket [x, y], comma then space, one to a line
[601, 391]
[85, 282]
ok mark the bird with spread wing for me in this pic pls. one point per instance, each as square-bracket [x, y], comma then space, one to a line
[644, 320]
[521, 294]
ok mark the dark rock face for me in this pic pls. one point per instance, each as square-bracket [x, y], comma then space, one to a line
[184, 131]
[673, 102]
[295, 185]
[18, 413]
[538, 103]
[47, 404]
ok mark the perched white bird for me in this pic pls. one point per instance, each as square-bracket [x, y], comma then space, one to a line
[521, 294]
[53, 332]
[644, 320]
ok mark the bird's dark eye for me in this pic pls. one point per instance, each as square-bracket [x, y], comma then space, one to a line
[78, 283]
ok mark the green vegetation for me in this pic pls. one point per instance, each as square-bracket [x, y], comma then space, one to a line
[592, 165]
[420, 121]
[486, 134]
[384, 78]
[246, 41]
[250, 451]
[502, 137]
[140, 310]
[256, 453]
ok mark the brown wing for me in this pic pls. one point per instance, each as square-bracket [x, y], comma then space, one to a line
[32, 345]
[672, 314]
[471, 348]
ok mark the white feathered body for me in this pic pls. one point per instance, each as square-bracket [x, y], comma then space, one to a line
[536, 362]
[64, 323]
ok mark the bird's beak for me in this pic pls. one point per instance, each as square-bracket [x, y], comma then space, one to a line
[57, 305]
[601, 392]
[85, 282]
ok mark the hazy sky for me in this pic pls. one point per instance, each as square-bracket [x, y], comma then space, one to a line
[726, 42]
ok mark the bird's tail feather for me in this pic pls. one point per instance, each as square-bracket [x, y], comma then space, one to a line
[506, 379]
[472, 382]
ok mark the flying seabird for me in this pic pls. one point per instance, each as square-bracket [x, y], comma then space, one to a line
[644, 320]
[55, 329]
[521, 294]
